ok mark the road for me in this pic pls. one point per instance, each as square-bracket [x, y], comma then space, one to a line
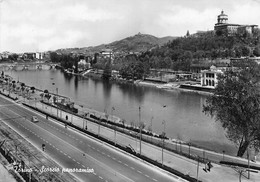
[72, 150]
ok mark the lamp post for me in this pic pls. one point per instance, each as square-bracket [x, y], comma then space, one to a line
[35, 100]
[82, 116]
[248, 164]
[29, 156]
[163, 138]
[189, 148]
[151, 128]
[57, 90]
[140, 130]
[112, 109]
[198, 168]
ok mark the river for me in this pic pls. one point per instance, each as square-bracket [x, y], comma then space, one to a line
[181, 111]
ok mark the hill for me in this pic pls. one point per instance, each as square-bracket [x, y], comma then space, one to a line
[137, 43]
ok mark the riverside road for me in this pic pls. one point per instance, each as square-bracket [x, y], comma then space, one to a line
[64, 145]
[72, 150]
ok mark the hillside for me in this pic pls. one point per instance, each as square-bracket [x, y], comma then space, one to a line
[137, 43]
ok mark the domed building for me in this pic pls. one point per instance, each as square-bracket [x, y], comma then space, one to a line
[223, 27]
[222, 18]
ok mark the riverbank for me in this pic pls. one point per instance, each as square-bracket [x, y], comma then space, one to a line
[170, 86]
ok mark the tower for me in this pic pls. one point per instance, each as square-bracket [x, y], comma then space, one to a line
[222, 18]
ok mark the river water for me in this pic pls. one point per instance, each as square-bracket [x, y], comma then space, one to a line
[182, 111]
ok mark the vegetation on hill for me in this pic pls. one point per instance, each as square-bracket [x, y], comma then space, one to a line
[177, 54]
[180, 53]
[137, 43]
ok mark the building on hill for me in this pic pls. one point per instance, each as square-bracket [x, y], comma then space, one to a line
[243, 61]
[223, 27]
[107, 53]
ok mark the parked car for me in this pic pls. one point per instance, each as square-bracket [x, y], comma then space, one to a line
[34, 119]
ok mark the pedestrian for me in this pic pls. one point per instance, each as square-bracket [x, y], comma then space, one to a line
[66, 117]
[43, 147]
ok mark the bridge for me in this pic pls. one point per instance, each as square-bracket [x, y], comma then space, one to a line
[28, 66]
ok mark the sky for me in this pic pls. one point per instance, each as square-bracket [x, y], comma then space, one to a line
[43, 25]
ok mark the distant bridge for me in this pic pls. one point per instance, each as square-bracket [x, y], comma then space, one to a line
[28, 66]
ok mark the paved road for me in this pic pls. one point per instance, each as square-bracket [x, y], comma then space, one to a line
[73, 150]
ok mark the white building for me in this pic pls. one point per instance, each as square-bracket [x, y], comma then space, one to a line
[83, 64]
[39, 55]
[209, 77]
[107, 53]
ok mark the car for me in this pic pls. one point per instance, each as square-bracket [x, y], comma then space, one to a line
[35, 119]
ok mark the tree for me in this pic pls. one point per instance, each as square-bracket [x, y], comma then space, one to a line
[245, 51]
[107, 69]
[42, 94]
[32, 89]
[13, 84]
[55, 57]
[46, 91]
[188, 34]
[256, 51]
[236, 105]
[22, 87]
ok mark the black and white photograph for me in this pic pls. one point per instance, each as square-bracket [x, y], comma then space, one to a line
[129, 91]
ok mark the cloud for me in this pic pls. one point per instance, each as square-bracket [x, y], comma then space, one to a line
[29, 25]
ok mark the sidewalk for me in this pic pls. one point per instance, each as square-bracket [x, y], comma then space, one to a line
[175, 161]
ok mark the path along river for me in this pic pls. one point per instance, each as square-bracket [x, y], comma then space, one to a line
[182, 111]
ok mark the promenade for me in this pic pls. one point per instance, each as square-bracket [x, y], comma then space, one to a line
[180, 163]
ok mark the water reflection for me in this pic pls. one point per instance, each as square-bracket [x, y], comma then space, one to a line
[182, 111]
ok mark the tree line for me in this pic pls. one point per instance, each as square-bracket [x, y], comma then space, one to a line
[178, 54]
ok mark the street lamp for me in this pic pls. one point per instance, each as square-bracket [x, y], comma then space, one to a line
[189, 148]
[82, 115]
[163, 138]
[29, 155]
[140, 130]
[198, 168]
[112, 109]
[57, 102]
[248, 164]
[151, 128]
